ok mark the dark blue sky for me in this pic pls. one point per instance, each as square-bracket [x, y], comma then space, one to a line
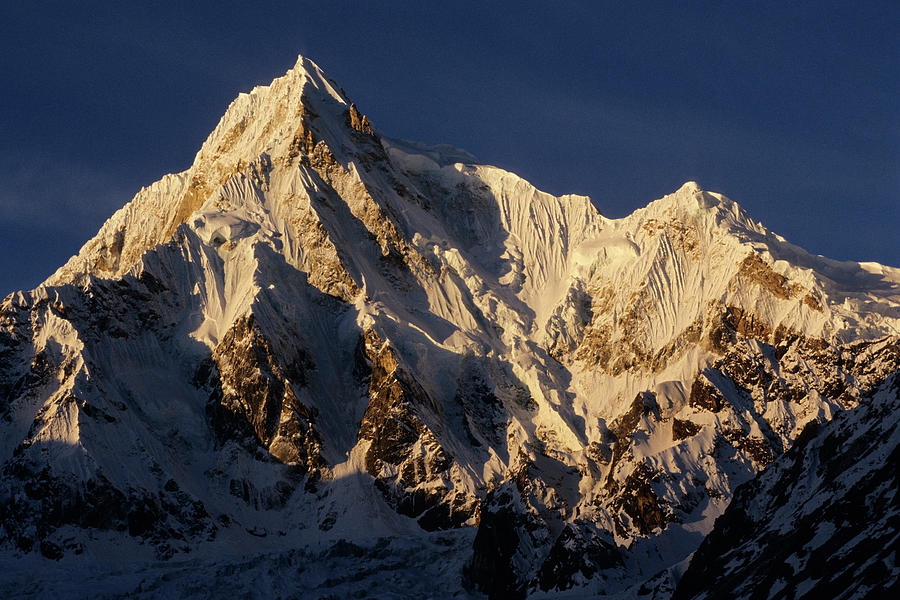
[791, 109]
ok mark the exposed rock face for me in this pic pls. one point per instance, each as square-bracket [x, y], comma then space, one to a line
[320, 337]
[639, 506]
[359, 122]
[527, 539]
[254, 397]
[515, 526]
[410, 467]
[683, 429]
[706, 396]
[580, 553]
[166, 520]
[756, 270]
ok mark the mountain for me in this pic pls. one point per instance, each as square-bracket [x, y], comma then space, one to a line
[324, 362]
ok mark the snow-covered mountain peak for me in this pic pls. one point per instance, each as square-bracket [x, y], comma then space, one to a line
[299, 115]
[269, 119]
[692, 203]
[690, 186]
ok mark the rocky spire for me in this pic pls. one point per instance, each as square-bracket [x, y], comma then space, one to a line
[359, 121]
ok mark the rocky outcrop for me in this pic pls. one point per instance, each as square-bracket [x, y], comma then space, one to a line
[683, 429]
[527, 539]
[637, 504]
[756, 270]
[359, 121]
[411, 469]
[253, 399]
[492, 568]
[580, 553]
[705, 395]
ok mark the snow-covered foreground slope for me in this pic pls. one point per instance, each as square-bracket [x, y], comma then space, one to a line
[823, 521]
[318, 336]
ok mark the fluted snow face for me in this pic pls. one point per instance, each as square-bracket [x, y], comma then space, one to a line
[259, 124]
[318, 333]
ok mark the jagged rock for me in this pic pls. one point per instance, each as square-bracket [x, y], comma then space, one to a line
[754, 269]
[577, 555]
[254, 396]
[493, 568]
[409, 464]
[359, 122]
[683, 429]
[521, 522]
[640, 503]
[706, 396]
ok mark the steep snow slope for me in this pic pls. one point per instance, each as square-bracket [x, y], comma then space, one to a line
[317, 334]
